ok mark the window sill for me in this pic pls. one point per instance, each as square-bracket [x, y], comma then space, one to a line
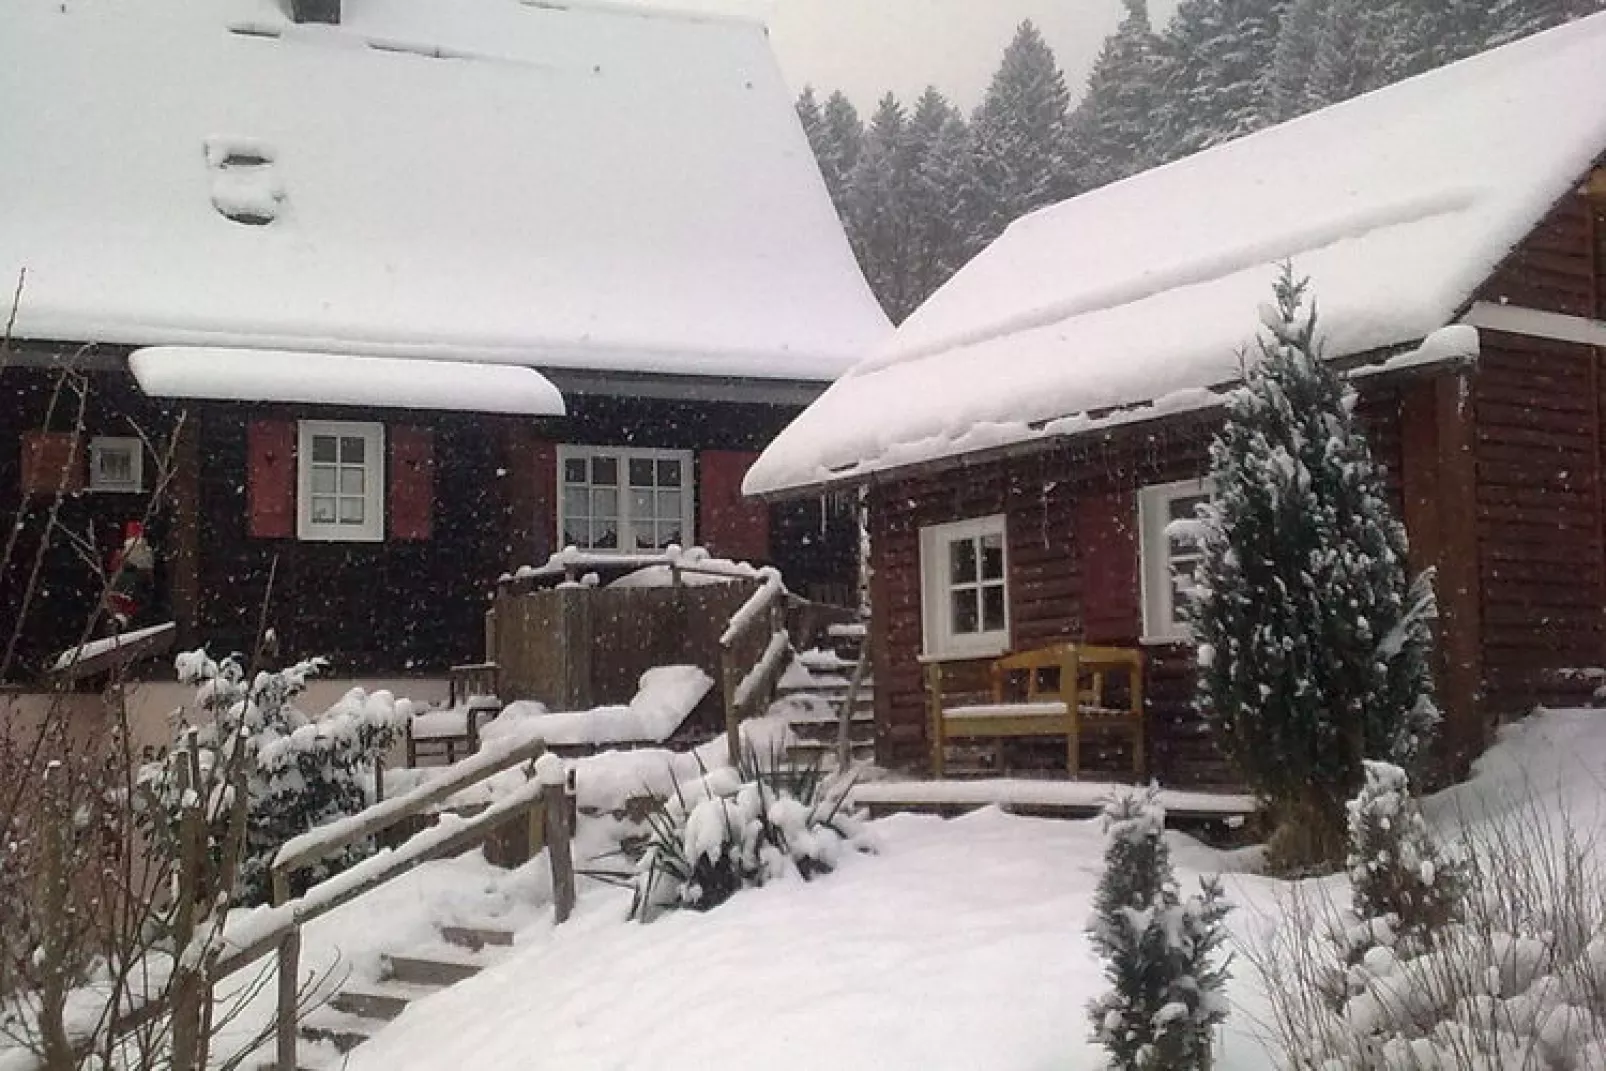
[978, 654]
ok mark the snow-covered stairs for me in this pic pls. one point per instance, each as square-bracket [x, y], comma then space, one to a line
[359, 1010]
[819, 684]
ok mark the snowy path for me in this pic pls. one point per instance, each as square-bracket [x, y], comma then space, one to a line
[959, 946]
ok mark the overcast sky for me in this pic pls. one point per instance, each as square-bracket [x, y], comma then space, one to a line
[866, 47]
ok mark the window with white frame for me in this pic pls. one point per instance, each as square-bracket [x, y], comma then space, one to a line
[627, 500]
[1170, 551]
[116, 463]
[964, 588]
[341, 470]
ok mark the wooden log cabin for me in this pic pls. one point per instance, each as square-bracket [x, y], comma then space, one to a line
[1026, 436]
[356, 281]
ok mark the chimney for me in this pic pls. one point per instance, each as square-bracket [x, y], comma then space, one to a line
[315, 11]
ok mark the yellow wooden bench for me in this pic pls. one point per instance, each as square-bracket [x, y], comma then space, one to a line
[1067, 693]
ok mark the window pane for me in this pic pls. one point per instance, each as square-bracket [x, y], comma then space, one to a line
[669, 506]
[992, 557]
[640, 472]
[574, 470]
[323, 448]
[351, 511]
[605, 535]
[323, 510]
[668, 533]
[351, 481]
[351, 449]
[644, 535]
[116, 466]
[669, 474]
[964, 612]
[605, 471]
[605, 503]
[641, 505]
[323, 480]
[576, 532]
[575, 501]
[992, 608]
[1184, 509]
[962, 561]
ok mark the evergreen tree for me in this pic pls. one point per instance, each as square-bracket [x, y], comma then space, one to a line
[1313, 645]
[1110, 127]
[939, 229]
[841, 140]
[1513, 19]
[1019, 138]
[1162, 953]
[1357, 50]
[1288, 86]
[879, 202]
[1402, 882]
[1217, 65]
[809, 115]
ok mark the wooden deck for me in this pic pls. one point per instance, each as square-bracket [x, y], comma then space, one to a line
[1215, 814]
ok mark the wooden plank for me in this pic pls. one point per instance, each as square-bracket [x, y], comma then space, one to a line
[183, 558]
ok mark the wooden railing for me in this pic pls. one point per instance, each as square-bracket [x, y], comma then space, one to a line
[540, 802]
[741, 680]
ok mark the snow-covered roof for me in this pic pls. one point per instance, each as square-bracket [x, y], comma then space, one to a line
[1398, 205]
[559, 185]
[340, 379]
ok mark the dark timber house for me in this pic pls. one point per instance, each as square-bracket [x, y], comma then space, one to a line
[1027, 435]
[438, 289]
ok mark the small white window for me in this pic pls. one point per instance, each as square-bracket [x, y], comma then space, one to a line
[1169, 553]
[964, 588]
[116, 464]
[342, 477]
[624, 499]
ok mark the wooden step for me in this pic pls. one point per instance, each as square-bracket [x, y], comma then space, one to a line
[382, 1001]
[340, 1029]
[475, 938]
[428, 970]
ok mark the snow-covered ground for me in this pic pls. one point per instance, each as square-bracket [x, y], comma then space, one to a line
[959, 944]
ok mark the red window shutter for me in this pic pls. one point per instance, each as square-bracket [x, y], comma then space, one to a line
[1106, 531]
[271, 479]
[50, 462]
[728, 524]
[412, 483]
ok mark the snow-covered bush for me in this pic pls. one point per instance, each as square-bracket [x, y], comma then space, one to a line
[1502, 965]
[1162, 953]
[766, 820]
[1405, 889]
[1314, 644]
[299, 772]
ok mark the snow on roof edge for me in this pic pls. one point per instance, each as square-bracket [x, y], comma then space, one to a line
[1454, 345]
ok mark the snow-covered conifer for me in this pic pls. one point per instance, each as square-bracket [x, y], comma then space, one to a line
[1314, 644]
[1403, 883]
[1110, 127]
[1019, 136]
[1162, 954]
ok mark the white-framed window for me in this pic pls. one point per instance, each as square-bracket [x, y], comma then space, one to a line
[116, 463]
[341, 472]
[964, 588]
[624, 499]
[1169, 553]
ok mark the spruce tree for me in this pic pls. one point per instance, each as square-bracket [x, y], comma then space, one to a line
[1162, 954]
[840, 142]
[1313, 644]
[1110, 127]
[879, 203]
[1402, 881]
[941, 171]
[1288, 85]
[1510, 20]
[811, 118]
[1217, 60]
[1019, 137]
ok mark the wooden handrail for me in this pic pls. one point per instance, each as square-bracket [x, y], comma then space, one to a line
[310, 847]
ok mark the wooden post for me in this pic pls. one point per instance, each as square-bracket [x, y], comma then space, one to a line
[555, 805]
[934, 716]
[1440, 493]
[289, 978]
[729, 678]
[183, 557]
[379, 779]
